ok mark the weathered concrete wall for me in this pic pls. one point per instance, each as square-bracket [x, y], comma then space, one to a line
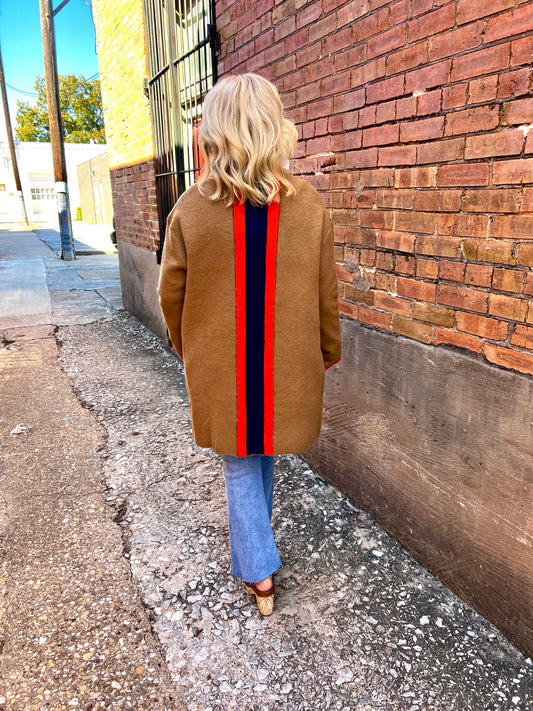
[436, 444]
[139, 273]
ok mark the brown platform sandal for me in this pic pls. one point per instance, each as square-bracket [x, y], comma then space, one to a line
[264, 598]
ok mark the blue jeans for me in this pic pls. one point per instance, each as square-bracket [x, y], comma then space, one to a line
[249, 491]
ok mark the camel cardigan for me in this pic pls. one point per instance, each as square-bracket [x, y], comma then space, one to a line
[249, 296]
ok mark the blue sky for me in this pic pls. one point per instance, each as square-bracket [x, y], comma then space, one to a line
[22, 51]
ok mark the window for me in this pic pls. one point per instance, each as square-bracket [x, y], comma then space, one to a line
[182, 49]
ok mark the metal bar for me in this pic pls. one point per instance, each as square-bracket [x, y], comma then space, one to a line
[60, 7]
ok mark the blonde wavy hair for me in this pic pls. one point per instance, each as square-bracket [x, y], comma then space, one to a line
[245, 141]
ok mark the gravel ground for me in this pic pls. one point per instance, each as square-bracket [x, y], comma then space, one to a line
[358, 624]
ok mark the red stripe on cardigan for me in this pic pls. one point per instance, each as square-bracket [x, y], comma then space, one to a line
[240, 310]
[270, 295]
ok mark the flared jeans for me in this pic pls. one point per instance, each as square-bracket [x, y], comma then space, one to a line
[249, 490]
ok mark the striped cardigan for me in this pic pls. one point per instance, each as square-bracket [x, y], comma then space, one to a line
[249, 296]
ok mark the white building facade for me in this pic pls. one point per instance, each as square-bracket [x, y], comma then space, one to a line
[37, 179]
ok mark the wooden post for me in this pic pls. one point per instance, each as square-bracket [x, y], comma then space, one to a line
[11, 144]
[56, 128]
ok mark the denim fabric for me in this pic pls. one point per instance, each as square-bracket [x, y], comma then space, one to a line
[249, 490]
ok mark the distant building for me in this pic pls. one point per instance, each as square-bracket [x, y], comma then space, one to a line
[415, 121]
[94, 185]
[37, 179]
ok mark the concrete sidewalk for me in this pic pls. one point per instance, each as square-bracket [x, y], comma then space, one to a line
[116, 566]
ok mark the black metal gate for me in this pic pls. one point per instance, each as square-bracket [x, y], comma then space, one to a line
[182, 48]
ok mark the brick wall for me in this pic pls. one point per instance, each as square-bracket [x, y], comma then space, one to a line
[414, 121]
[122, 60]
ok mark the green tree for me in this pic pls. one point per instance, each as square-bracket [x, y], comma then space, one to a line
[81, 111]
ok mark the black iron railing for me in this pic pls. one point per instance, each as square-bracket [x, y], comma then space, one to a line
[182, 48]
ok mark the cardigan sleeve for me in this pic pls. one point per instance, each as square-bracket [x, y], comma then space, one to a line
[330, 338]
[172, 279]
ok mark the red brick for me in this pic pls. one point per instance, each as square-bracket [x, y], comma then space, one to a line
[512, 171]
[385, 282]
[507, 358]
[527, 202]
[478, 275]
[508, 280]
[444, 336]
[486, 250]
[348, 309]
[406, 108]
[367, 116]
[525, 255]
[351, 12]
[366, 158]
[517, 112]
[522, 337]
[437, 200]
[433, 314]
[404, 265]
[386, 41]
[508, 307]
[431, 23]
[462, 225]
[440, 151]
[399, 12]
[412, 329]
[463, 297]
[368, 72]
[521, 51]
[375, 218]
[463, 174]
[375, 318]
[483, 61]
[380, 135]
[384, 261]
[308, 54]
[308, 13]
[429, 102]
[392, 304]
[482, 118]
[427, 77]
[337, 41]
[335, 84]
[348, 102]
[515, 83]
[528, 289]
[482, 90]
[423, 130]
[402, 199]
[427, 268]
[529, 143]
[342, 274]
[415, 177]
[286, 28]
[353, 294]
[318, 109]
[511, 23]
[454, 96]
[383, 90]
[468, 10]
[512, 226]
[414, 289]
[418, 7]
[409, 221]
[323, 27]
[397, 155]
[363, 237]
[380, 177]
[481, 326]
[386, 112]
[408, 58]
[399, 241]
[529, 317]
[491, 200]
[456, 42]
[452, 271]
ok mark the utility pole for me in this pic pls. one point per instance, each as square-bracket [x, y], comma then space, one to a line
[56, 126]
[9, 131]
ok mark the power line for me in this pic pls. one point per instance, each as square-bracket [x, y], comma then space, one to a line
[21, 91]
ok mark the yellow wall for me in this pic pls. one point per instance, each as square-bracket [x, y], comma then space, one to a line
[122, 60]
